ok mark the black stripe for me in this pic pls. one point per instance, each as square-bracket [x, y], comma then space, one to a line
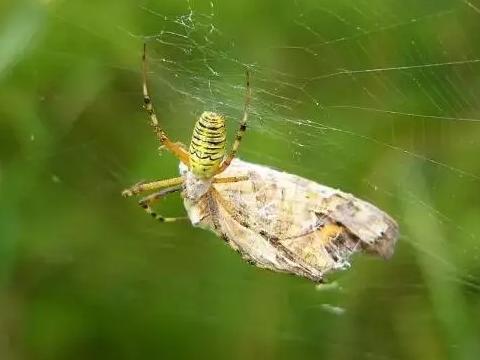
[206, 137]
[206, 151]
[209, 126]
[198, 146]
[206, 131]
[206, 143]
[193, 160]
[202, 132]
[210, 116]
[204, 156]
[208, 140]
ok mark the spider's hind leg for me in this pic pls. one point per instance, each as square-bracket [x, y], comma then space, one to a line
[147, 201]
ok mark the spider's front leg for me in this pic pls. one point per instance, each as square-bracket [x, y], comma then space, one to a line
[173, 147]
[163, 148]
[150, 186]
[243, 127]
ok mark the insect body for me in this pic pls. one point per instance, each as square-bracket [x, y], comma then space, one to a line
[273, 219]
[207, 147]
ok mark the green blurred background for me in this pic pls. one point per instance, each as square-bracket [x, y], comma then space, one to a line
[379, 98]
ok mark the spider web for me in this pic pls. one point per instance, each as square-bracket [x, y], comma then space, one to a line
[429, 90]
[378, 98]
[385, 104]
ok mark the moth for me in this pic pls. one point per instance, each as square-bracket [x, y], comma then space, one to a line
[286, 223]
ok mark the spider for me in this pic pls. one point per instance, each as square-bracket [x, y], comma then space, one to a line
[205, 158]
[275, 220]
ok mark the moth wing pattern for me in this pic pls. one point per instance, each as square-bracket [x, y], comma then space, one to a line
[287, 223]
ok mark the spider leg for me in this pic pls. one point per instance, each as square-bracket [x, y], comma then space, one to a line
[243, 127]
[232, 179]
[174, 148]
[154, 185]
[161, 148]
[147, 201]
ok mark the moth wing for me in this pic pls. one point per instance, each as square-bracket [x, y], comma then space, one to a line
[215, 213]
[317, 226]
[257, 245]
[377, 231]
[298, 216]
[269, 201]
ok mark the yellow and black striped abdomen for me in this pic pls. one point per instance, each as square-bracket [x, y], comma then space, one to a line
[208, 144]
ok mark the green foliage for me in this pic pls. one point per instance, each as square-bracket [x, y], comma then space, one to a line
[378, 98]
